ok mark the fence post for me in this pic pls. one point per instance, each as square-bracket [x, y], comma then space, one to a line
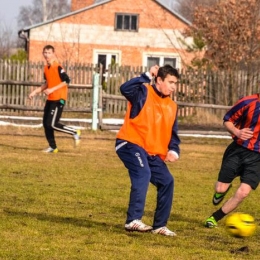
[95, 101]
[100, 98]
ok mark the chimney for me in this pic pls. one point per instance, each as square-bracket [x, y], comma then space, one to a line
[79, 4]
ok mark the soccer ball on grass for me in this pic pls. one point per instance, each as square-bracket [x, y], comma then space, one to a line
[240, 225]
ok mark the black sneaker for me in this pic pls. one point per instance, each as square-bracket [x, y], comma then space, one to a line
[218, 197]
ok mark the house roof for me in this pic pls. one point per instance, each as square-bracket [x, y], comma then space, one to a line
[174, 12]
[91, 7]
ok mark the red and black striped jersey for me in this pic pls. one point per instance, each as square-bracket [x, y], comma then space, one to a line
[246, 114]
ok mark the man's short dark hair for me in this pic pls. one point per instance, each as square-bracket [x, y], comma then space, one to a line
[48, 47]
[167, 70]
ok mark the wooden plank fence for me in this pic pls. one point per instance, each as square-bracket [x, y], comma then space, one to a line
[14, 96]
[205, 89]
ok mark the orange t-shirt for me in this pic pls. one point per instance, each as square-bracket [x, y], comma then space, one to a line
[152, 127]
[53, 79]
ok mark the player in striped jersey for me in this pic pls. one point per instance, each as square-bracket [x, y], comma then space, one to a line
[241, 158]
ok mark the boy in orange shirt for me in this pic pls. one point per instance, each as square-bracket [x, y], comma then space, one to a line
[56, 90]
[148, 139]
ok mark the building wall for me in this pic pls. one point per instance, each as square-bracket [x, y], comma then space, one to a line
[78, 4]
[77, 37]
[129, 56]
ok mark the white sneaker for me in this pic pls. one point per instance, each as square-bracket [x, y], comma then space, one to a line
[137, 225]
[50, 150]
[164, 231]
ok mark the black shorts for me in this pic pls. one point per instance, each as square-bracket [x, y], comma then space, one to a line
[240, 161]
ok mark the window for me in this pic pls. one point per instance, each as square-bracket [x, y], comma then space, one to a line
[126, 22]
[170, 61]
[151, 59]
[106, 58]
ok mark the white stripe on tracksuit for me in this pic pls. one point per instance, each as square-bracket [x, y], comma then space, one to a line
[64, 128]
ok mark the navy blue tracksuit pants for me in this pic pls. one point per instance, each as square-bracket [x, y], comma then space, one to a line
[143, 169]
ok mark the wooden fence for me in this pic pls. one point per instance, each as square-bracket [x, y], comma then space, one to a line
[207, 89]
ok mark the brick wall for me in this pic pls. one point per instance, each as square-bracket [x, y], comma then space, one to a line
[70, 52]
[152, 15]
[78, 4]
[76, 37]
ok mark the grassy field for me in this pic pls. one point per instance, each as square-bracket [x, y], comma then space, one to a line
[72, 205]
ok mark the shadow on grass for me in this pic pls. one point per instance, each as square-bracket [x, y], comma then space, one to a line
[17, 147]
[108, 227]
[87, 222]
[178, 218]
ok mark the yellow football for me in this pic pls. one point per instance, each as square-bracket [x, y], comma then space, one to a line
[240, 224]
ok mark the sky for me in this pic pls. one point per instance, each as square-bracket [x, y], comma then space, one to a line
[9, 10]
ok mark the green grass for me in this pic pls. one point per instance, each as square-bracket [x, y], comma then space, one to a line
[72, 205]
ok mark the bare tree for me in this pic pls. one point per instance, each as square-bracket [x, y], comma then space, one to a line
[42, 10]
[187, 7]
[6, 41]
[230, 30]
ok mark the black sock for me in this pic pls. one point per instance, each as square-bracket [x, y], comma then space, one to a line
[219, 214]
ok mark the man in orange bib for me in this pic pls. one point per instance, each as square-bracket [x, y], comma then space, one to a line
[56, 90]
[148, 139]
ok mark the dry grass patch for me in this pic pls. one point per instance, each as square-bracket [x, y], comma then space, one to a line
[72, 205]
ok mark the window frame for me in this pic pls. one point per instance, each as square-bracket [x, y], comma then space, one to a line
[161, 56]
[108, 54]
[130, 22]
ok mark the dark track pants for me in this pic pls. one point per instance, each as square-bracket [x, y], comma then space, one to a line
[51, 116]
[143, 169]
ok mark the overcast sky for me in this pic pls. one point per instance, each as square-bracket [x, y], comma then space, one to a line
[9, 10]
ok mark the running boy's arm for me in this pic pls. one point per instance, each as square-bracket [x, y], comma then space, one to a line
[38, 90]
[232, 120]
[48, 91]
[243, 134]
